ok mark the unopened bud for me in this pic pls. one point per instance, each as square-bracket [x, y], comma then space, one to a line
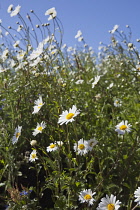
[33, 142]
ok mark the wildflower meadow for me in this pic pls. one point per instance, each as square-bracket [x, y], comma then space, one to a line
[69, 118]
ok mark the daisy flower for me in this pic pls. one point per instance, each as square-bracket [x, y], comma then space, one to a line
[117, 103]
[109, 203]
[38, 104]
[80, 81]
[39, 128]
[122, 127]
[79, 33]
[95, 81]
[52, 12]
[36, 53]
[16, 11]
[10, 8]
[137, 195]
[92, 143]
[81, 147]
[86, 196]
[16, 134]
[68, 116]
[52, 147]
[114, 29]
[33, 156]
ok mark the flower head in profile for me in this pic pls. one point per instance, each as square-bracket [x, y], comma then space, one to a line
[92, 143]
[137, 195]
[52, 12]
[10, 8]
[109, 203]
[16, 134]
[114, 29]
[79, 36]
[38, 104]
[81, 147]
[95, 81]
[68, 116]
[123, 127]
[39, 128]
[15, 11]
[86, 196]
[79, 33]
[117, 103]
[33, 156]
[52, 147]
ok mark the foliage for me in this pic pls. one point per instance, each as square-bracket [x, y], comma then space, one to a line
[64, 77]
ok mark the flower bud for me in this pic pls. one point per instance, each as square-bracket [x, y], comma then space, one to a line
[33, 142]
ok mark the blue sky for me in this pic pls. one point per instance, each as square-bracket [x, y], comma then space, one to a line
[93, 17]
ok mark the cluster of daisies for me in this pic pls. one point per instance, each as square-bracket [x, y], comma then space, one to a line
[82, 147]
[107, 203]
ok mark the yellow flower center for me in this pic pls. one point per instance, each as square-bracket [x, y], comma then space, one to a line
[123, 127]
[21, 55]
[111, 206]
[87, 197]
[40, 104]
[17, 134]
[69, 116]
[33, 156]
[52, 146]
[81, 146]
[40, 128]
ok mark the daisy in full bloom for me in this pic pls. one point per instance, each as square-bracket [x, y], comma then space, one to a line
[137, 195]
[109, 203]
[39, 128]
[38, 104]
[92, 143]
[117, 103]
[15, 11]
[86, 196]
[95, 81]
[52, 147]
[68, 116]
[122, 127]
[33, 156]
[81, 147]
[52, 12]
[16, 134]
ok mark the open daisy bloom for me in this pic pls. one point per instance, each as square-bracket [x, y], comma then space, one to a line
[117, 103]
[81, 147]
[39, 128]
[123, 127]
[38, 104]
[68, 116]
[52, 147]
[16, 134]
[33, 156]
[87, 196]
[137, 195]
[109, 203]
